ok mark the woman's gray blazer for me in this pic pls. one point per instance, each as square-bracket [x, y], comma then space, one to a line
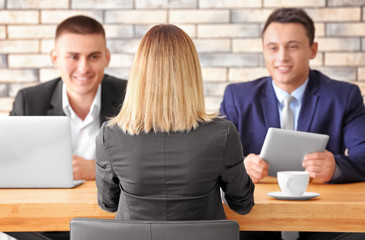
[172, 176]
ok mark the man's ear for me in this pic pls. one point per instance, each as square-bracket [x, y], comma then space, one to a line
[314, 50]
[107, 56]
[53, 55]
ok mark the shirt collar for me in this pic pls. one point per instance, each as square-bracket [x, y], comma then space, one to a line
[94, 109]
[297, 93]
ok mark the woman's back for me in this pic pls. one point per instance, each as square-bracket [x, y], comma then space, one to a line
[172, 176]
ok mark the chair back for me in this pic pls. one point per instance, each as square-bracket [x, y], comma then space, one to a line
[110, 229]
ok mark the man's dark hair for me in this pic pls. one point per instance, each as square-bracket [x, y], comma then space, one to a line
[292, 15]
[80, 25]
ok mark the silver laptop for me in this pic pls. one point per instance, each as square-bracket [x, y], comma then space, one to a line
[35, 152]
[284, 150]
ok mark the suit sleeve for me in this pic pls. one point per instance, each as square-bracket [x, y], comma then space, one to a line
[228, 108]
[352, 166]
[18, 105]
[107, 182]
[235, 181]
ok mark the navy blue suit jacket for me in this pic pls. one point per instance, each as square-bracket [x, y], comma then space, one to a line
[328, 106]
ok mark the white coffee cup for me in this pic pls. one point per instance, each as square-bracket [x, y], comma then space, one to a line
[293, 183]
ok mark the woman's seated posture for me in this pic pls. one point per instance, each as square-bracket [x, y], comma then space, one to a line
[163, 157]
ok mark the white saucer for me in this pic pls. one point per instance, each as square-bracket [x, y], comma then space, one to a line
[282, 196]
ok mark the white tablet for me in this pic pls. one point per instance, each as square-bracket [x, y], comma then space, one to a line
[284, 149]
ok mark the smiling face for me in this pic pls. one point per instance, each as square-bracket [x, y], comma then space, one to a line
[81, 60]
[287, 52]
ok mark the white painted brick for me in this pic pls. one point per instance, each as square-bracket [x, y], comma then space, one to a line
[334, 14]
[3, 62]
[31, 32]
[345, 59]
[58, 16]
[214, 74]
[122, 73]
[296, 3]
[338, 44]
[229, 60]
[346, 3]
[320, 29]
[339, 73]
[37, 4]
[229, 4]
[212, 104]
[47, 45]
[121, 60]
[118, 31]
[2, 32]
[166, 4]
[318, 60]
[14, 88]
[361, 74]
[214, 88]
[199, 16]
[228, 30]
[46, 74]
[141, 30]
[246, 74]
[3, 90]
[247, 45]
[21, 46]
[6, 103]
[136, 16]
[19, 17]
[123, 46]
[102, 4]
[250, 15]
[212, 45]
[345, 29]
[18, 75]
[29, 61]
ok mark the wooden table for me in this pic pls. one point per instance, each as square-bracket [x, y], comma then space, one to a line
[338, 208]
[47, 209]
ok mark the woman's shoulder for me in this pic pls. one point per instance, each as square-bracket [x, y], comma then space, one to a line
[219, 124]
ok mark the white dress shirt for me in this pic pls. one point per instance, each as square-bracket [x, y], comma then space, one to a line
[295, 105]
[83, 132]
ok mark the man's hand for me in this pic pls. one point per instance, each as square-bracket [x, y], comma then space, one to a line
[320, 165]
[256, 167]
[83, 169]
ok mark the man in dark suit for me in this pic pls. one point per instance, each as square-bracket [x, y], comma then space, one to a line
[83, 92]
[320, 105]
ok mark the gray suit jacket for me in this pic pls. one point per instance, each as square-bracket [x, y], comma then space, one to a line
[46, 99]
[172, 176]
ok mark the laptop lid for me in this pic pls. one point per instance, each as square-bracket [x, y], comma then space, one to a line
[35, 152]
[284, 149]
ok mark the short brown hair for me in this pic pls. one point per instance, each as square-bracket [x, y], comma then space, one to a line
[80, 25]
[292, 15]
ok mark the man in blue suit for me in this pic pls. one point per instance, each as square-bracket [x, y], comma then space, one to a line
[320, 105]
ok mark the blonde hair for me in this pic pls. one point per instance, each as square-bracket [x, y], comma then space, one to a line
[165, 88]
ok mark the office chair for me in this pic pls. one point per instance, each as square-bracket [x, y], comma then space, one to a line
[109, 229]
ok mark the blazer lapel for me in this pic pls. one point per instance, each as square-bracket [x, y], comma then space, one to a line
[108, 101]
[269, 105]
[56, 101]
[309, 104]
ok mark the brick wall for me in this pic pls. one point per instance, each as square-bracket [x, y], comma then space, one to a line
[227, 34]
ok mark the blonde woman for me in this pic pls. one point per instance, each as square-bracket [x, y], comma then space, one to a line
[163, 157]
